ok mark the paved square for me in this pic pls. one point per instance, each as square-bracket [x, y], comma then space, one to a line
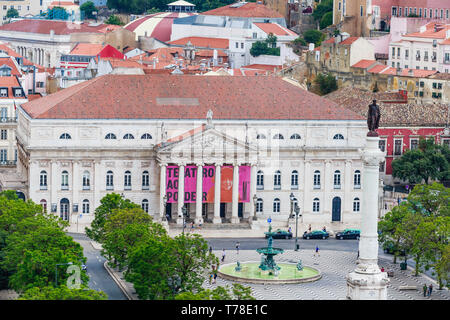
[334, 266]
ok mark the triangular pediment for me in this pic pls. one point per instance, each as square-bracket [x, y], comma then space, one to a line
[206, 145]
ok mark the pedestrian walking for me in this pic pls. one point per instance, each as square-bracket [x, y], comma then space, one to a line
[430, 289]
[317, 251]
[211, 275]
[192, 226]
[309, 228]
[324, 229]
[357, 257]
[210, 249]
[425, 289]
[223, 255]
[289, 230]
[215, 276]
[237, 247]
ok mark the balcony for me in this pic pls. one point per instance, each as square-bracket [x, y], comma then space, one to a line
[8, 119]
[260, 187]
[446, 61]
[7, 163]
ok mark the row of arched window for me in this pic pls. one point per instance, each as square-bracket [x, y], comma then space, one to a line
[294, 136]
[128, 136]
[315, 207]
[316, 179]
[86, 180]
[85, 207]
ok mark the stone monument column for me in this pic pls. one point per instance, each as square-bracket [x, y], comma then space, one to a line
[367, 282]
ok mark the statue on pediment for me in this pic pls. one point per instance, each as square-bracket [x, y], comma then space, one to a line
[373, 119]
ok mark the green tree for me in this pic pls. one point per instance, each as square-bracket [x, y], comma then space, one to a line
[108, 203]
[388, 226]
[12, 211]
[12, 13]
[314, 36]
[267, 46]
[123, 229]
[161, 267]
[62, 293]
[327, 20]
[429, 162]
[57, 13]
[236, 292]
[88, 8]
[324, 84]
[33, 251]
[324, 7]
[113, 19]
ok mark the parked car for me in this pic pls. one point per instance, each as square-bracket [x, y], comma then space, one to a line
[389, 247]
[316, 234]
[280, 234]
[348, 234]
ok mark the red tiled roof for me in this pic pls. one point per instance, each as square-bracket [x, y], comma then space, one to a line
[186, 97]
[45, 26]
[417, 72]
[430, 33]
[266, 67]
[378, 68]
[275, 28]
[364, 63]
[10, 83]
[87, 49]
[210, 53]
[349, 40]
[10, 63]
[215, 43]
[248, 10]
[118, 63]
[331, 40]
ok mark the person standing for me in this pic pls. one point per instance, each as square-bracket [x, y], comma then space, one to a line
[237, 247]
[210, 249]
[215, 277]
[309, 228]
[425, 289]
[430, 289]
[223, 255]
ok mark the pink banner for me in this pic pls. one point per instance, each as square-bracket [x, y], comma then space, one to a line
[208, 184]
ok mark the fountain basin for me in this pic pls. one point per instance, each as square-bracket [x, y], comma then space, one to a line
[250, 273]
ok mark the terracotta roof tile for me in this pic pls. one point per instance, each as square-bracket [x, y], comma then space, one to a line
[203, 42]
[186, 97]
[364, 64]
[275, 28]
[45, 26]
[249, 9]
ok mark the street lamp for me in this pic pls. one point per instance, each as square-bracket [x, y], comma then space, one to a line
[297, 213]
[164, 205]
[184, 211]
[292, 197]
[56, 271]
[255, 201]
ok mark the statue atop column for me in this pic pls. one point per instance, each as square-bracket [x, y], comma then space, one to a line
[373, 119]
[209, 116]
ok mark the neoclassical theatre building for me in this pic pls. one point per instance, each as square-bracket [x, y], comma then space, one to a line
[235, 147]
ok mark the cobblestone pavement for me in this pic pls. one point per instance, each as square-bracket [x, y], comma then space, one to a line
[334, 266]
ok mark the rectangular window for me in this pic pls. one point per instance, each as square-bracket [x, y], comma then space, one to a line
[382, 145]
[237, 45]
[3, 155]
[382, 166]
[414, 144]
[4, 134]
[398, 147]
[425, 12]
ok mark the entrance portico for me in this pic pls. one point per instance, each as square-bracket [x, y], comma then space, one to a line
[227, 176]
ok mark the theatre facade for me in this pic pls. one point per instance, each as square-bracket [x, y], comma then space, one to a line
[222, 149]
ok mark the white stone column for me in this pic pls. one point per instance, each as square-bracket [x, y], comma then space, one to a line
[348, 188]
[252, 191]
[76, 184]
[54, 186]
[235, 194]
[367, 282]
[180, 193]
[217, 218]
[199, 194]
[328, 184]
[162, 191]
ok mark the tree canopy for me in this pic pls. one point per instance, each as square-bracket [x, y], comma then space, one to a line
[12, 13]
[324, 84]
[267, 46]
[430, 161]
[88, 8]
[62, 293]
[420, 227]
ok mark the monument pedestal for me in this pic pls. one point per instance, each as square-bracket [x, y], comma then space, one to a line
[367, 282]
